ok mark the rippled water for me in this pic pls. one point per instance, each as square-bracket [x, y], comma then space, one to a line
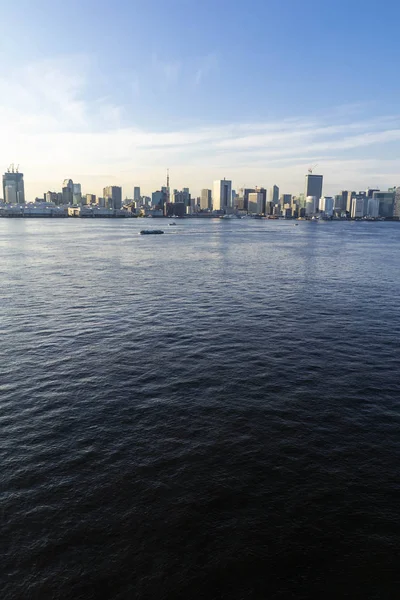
[211, 413]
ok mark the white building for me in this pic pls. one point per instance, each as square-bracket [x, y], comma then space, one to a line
[326, 205]
[373, 207]
[222, 195]
[357, 208]
[311, 203]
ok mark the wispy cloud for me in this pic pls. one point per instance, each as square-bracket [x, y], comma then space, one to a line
[54, 129]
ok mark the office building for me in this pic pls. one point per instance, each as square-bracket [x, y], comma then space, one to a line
[113, 196]
[386, 203]
[90, 198]
[396, 204]
[373, 208]
[357, 207]
[51, 197]
[340, 202]
[311, 204]
[13, 186]
[313, 187]
[68, 191]
[256, 203]
[76, 193]
[205, 200]
[326, 205]
[136, 193]
[370, 192]
[273, 195]
[222, 195]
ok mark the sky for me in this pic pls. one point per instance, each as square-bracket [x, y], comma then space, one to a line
[115, 92]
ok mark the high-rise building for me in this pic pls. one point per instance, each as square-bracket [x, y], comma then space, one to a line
[13, 186]
[113, 196]
[340, 202]
[373, 208]
[222, 195]
[326, 205]
[386, 203]
[51, 197]
[256, 203]
[90, 198]
[68, 191]
[136, 193]
[396, 205]
[311, 205]
[357, 207]
[273, 195]
[76, 193]
[205, 200]
[313, 187]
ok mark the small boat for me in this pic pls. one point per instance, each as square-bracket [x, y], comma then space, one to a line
[171, 224]
[151, 231]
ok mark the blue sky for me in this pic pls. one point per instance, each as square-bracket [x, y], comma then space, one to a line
[115, 92]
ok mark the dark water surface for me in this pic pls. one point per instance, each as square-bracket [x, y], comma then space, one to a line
[211, 413]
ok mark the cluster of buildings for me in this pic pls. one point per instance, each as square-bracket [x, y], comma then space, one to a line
[219, 201]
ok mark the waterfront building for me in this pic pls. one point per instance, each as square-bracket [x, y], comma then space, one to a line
[243, 200]
[222, 195]
[13, 186]
[255, 203]
[311, 203]
[113, 196]
[51, 197]
[157, 198]
[326, 205]
[370, 192]
[263, 201]
[357, 207]
[136, 193]
[68, 191]
[205, 200]
[313, 187]
[90, 199]
[76, 193]
[396, 204]
[386, 203]
[273, 194]
[373, 208]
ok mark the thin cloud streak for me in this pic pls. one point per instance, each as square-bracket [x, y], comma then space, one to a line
[54, 131]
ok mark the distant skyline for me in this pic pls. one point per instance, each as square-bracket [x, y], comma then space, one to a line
[281, 87]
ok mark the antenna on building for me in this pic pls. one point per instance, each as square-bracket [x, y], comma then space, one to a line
[16, 170]
[311, 169]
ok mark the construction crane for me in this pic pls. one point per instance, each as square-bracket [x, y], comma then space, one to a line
[311, 169]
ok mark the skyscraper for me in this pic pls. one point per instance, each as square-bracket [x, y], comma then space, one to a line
[113, 196]
[76, 193]
[136, 193]
[13, 186]
[273, 195]
[314, 187]
[68, 191]
[205, 200]
[386, 203]
[222, 195]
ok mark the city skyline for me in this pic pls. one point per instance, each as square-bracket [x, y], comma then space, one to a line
[120, 115]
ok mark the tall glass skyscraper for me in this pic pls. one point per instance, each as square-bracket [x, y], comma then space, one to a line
[314, 187]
